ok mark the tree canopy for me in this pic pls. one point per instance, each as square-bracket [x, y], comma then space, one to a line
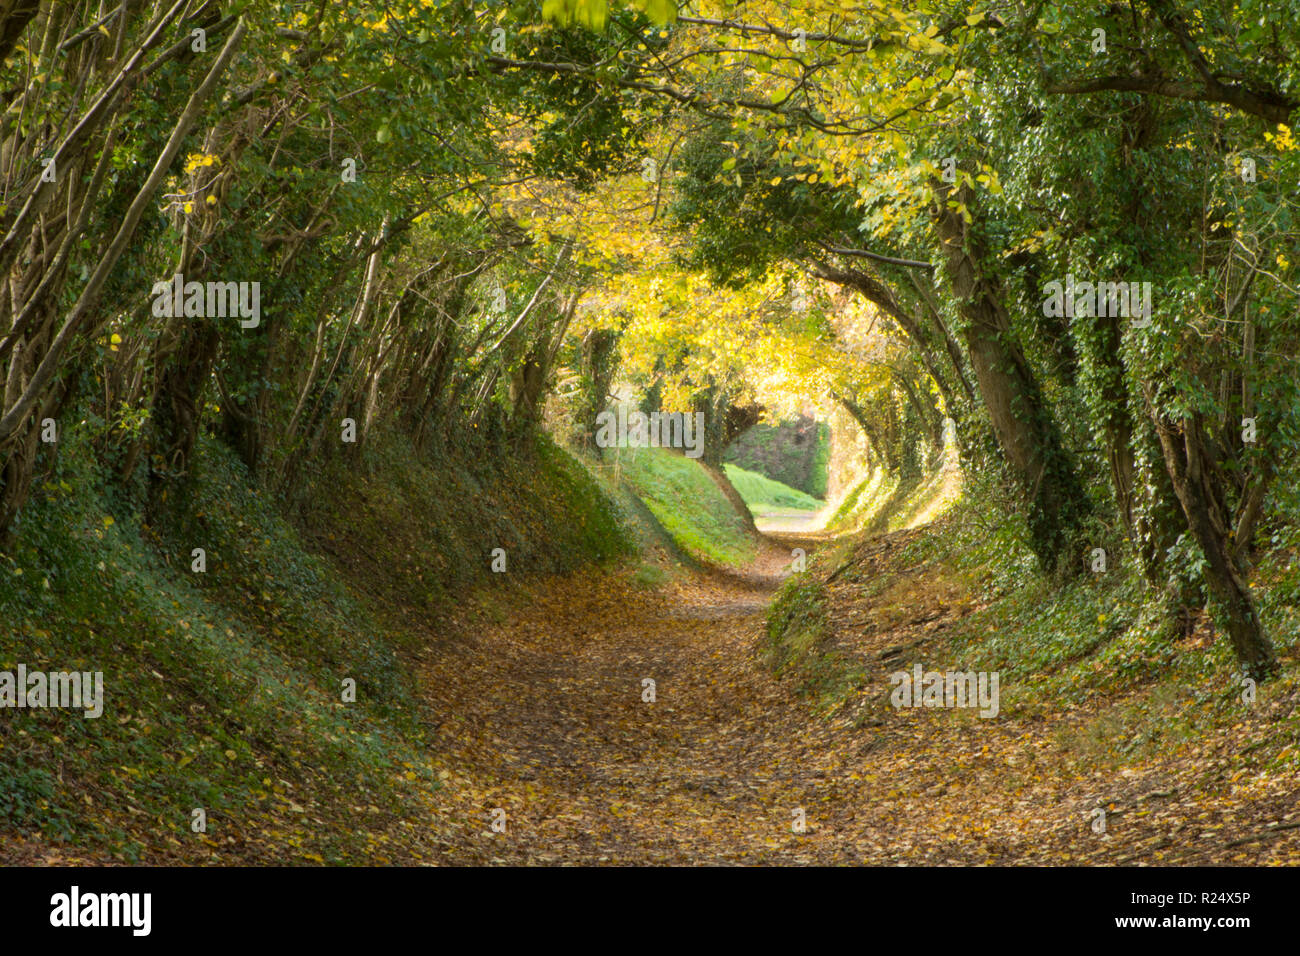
[1069, 228]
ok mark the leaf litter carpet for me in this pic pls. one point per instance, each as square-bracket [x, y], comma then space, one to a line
[541, 714]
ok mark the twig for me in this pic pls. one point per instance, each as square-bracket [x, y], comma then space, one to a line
[1265, 834]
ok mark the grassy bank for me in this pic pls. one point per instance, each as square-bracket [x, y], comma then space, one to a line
[1095, 653]
[764, 495]
[686, 502]
[224, 679]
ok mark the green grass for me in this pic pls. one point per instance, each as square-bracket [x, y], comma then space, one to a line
[765, 495]
[686, 501]
[420, 534]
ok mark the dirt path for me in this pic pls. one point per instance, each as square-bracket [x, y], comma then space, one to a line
[545, 719]
[553, 728]
[788, 523]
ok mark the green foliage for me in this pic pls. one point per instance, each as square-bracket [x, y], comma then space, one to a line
[207, 703]
[821, 462]
[28, 799]
[747, 210]
[582, 136]
[794, 453]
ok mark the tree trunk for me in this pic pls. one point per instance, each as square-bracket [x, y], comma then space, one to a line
[599, 348]
[1021, 421]
[1191, 470]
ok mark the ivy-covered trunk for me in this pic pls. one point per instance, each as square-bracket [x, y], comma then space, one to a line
[1021, 420]
[1198, 486]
